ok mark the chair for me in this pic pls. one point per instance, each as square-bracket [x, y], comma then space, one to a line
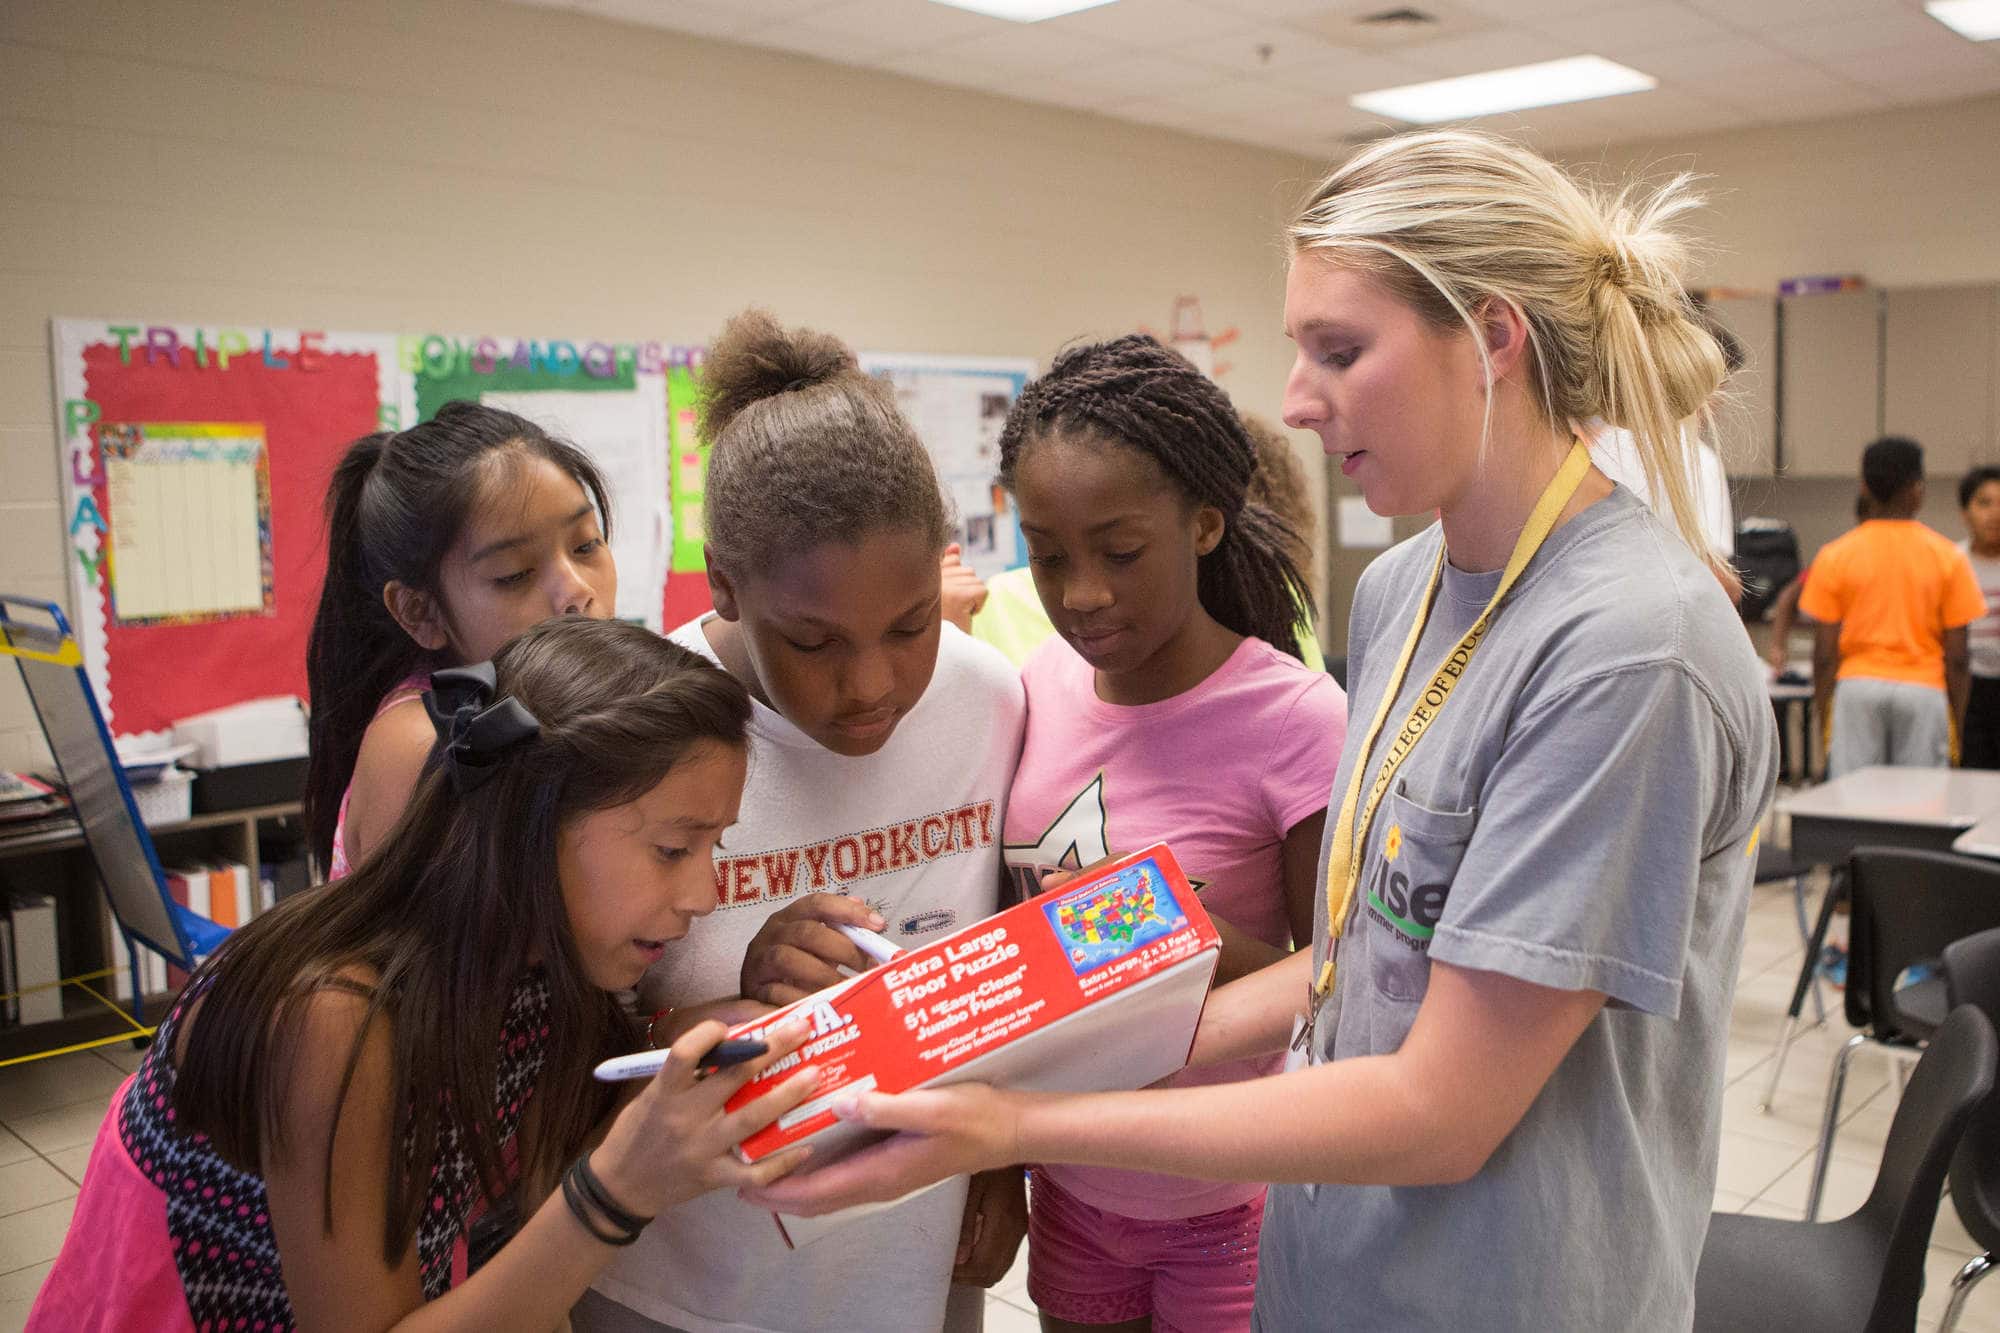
[37, 637]
[1864, 1272]
[1972, 976]
[1907, 906]
[1775, 866]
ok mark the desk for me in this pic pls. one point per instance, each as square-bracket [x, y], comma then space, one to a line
[1982, 839]
[1929, 809]
[1894, 807]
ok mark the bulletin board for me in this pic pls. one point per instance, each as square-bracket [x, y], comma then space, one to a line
[958, 406]
[195, 462]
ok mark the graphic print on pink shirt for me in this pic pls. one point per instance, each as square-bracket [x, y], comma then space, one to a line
[1221, 773]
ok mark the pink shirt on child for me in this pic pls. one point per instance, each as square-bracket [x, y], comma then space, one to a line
[1220, 773]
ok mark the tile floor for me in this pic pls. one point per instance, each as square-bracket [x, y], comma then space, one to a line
[50, 1110]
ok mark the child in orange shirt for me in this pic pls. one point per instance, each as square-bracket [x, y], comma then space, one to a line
[1893, 599]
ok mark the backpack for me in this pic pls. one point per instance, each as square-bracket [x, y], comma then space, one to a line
[1767, 558]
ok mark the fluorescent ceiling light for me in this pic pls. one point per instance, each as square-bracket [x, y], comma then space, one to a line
[1577, 79]
[1977, 19]
[1024, 11]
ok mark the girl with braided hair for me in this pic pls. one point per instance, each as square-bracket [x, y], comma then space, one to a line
[1171, 706]
[1501, 1108]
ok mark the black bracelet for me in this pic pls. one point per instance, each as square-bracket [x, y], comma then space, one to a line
[573, 1196]
[593, 1189]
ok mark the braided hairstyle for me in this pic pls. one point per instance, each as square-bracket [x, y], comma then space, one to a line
[1147, 397]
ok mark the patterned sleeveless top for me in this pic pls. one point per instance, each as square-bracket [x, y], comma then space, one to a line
[218, 1223]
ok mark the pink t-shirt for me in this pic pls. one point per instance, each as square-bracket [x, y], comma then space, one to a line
[1221, 773]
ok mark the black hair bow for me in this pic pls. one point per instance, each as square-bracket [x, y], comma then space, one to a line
[473, 730]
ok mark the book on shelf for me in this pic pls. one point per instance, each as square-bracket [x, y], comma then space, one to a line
[37, 963]
[10, 1008]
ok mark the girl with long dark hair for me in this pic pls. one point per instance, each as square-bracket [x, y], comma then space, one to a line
[444, 541]
[354, 1073]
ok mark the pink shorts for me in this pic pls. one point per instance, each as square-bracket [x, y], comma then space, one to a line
[1190, 1274]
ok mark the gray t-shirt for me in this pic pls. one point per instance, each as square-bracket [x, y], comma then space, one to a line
[1580, 816]
[1982, 636]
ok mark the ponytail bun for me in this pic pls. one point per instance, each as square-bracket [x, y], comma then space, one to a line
[755, 358]
[806, 449]
[1642, 308]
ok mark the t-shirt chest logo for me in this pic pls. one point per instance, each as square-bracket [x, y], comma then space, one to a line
[1073, 840]
[1402, 895]
[1077, 837]
[833, 865]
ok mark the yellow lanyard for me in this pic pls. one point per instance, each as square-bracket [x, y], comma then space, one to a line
[1343, 862]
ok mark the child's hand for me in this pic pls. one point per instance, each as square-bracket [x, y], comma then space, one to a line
[674, 1140]
[944, 1132]
[962, 592]
[796, 951]
[996, 1220]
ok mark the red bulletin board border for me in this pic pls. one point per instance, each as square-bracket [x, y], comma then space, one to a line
[158, 673]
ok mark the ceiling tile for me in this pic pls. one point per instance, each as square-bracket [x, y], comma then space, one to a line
[1031, 46]
[1771, 15]
[912, 23]
[1503, 48]
[1149, 24]
[1151, 76]
[1264, 48]
[1282, 11]
[1889, 28]
[1344, 75]
[1533, 11]
[1626, 32]
[1718, 56]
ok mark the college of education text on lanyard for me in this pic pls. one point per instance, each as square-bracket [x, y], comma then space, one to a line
[1350, 833]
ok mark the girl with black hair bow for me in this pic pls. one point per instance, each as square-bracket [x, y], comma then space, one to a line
[356, 1072]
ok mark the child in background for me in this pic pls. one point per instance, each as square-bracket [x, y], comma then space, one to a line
[1979, 498]
[430, 1024]
[1892, 599]
[1175, 708]
[884, 747]
[1005, 612]
[444, 541]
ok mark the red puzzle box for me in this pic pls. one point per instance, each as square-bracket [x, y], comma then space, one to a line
[1094, 986]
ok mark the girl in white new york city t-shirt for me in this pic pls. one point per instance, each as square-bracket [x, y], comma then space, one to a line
[883, 746]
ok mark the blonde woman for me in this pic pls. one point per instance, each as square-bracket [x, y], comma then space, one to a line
[1501, 1109]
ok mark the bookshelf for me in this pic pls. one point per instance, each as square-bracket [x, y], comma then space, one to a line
[55, 861]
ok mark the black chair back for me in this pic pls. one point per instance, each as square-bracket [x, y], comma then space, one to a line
[1908, 905]
[1951, 1081]
[1972, 976]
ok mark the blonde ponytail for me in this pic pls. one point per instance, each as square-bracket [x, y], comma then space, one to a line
[1453, 219]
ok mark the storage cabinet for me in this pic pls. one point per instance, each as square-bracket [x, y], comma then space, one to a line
[1747, 422]
[1831, 404]
[1938, 362]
